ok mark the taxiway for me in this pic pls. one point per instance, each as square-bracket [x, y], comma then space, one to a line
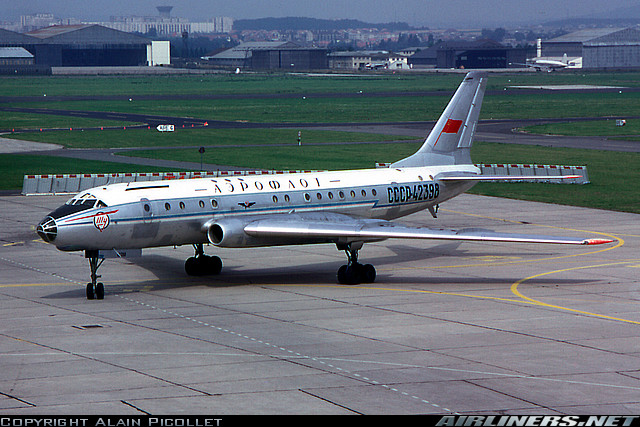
[480, 328]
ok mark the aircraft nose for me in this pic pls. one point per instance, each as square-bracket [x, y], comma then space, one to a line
[47, 229]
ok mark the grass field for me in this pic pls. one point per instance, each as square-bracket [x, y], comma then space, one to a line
[13, 167]
[611, 188]
[329, 157]
[594, 128]
[614, 176]
[285, 83]
[195, 137]
[364, 109]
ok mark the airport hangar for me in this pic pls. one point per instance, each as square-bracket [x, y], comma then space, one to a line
[84, 46]
[469, 54]
[599, 48]
[270, 56]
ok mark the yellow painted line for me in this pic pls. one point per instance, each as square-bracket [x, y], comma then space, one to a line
[516, 291]
[417, 291]
[514, 286]
[13, 244]
[27, 285]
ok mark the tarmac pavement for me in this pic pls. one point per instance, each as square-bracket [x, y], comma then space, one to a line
[482, 328]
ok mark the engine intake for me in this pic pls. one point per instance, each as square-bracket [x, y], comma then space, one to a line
[229, 233]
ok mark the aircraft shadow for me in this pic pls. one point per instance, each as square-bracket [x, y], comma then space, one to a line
[171, 275]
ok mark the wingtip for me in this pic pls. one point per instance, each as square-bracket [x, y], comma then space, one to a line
[597, 241]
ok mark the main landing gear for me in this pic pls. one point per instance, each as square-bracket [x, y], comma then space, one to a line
[201, 264]
[353, 272]
[95, 289]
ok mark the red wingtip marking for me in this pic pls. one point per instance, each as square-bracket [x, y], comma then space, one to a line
[597, 241]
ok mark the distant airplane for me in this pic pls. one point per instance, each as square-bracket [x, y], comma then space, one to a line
[345, 208]
[549, 65]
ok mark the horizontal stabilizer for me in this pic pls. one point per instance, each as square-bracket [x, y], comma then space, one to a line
[504, 177]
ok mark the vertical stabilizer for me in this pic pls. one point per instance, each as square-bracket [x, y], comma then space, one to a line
[450, 140]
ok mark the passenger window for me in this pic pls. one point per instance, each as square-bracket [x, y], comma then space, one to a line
[181, 205]
[214, 203]
[167, 206]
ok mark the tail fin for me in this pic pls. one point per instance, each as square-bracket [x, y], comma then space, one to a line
[450, 140]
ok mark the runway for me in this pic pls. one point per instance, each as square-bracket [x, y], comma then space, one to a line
[469, 328]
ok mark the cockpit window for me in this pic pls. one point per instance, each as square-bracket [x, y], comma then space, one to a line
[86, 201]
[81, 202]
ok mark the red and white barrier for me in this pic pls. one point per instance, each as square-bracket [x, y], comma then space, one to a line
[74, 183]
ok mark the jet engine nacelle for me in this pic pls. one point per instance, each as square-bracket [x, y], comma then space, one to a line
[229, 233]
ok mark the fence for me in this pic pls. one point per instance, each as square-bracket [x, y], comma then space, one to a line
[74, 183]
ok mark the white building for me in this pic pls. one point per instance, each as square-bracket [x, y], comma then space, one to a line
[159, 53]
[368, 60]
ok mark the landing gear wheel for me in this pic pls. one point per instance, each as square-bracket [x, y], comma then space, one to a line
[353, 272]
[343, 279]
[368, 273]
[191, 266]
[100, 291]
[356, 274]
[90, 293]
[201, 264]
[214, 264]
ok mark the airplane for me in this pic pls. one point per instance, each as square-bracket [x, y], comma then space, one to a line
[549, 65]
[347, 208]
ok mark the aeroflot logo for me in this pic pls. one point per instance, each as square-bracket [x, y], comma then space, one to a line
[101, 221]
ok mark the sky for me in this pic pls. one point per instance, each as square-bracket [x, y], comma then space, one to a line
[431, 13]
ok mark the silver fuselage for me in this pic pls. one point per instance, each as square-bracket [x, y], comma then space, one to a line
[168, 213]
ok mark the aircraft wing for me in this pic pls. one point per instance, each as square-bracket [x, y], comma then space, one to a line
[343, 228]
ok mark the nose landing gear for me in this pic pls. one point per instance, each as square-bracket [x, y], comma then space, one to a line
[95, 289]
